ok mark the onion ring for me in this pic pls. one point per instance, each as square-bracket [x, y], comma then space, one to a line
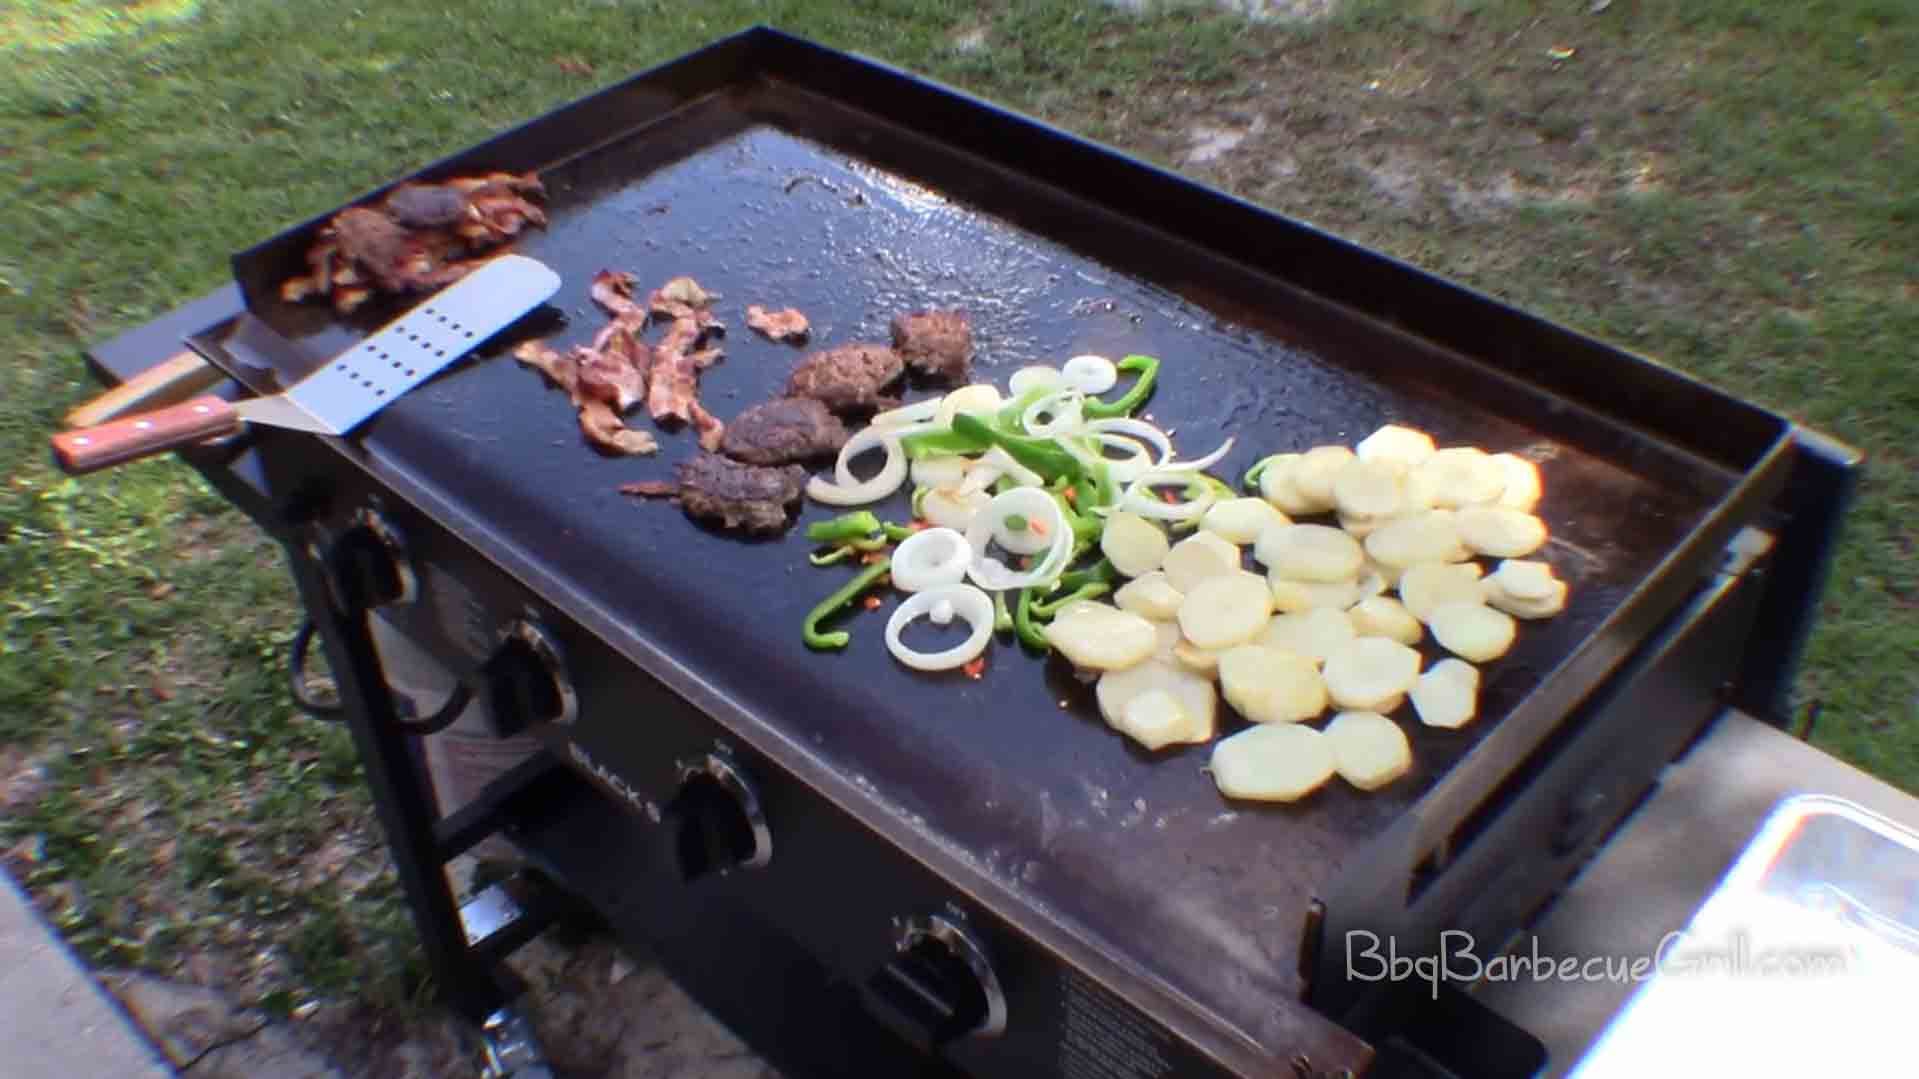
[850, 490]
[973, 400]
[945, 471]
[1063, 405]
[1090, 374]
[1138, 498]
[931, 558]
[947, 507]
[966, 601]
[917, 412]
[1027, 379]
[1126, 425]
[1034, 504]
[1197, 464]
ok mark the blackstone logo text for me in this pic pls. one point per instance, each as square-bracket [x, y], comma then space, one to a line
[1369, 959]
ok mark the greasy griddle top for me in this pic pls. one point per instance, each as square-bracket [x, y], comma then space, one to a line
[1014, 770]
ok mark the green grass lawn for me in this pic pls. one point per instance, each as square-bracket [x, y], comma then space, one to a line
[1730, 187]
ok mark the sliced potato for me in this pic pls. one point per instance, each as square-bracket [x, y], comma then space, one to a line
[1273, 763]
[1369, 750]
[1366, 490]
[1241, 520]
[1463, 476]
[1369, 674]
[1277, 488]
[1431, 584]
[1201, 661]
[1524, 580]
[1500, 532]
[1198, 701]
[1226, 610]
[1361, 527]
[976, 398]
[1081, 606]
[1473, 630]
[1407, 447]
[1102, 638]
[1133, 544]
[1314, 634]
[1154, 719]
[1417, 491]
[1498, 594]
[1447, 695]
[1384, 616]
[1197, 557]
[1522, 482]
[1149, 595]
[1309, 553]
[1430, 536]
[1313, 476]
[1388, 574]
[1169, 639]
[1292, 597]
[1270, 685]
[1371, 583]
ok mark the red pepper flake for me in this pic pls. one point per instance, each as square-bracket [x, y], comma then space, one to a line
[1169, 498]
[919, 523]
[1038, 526]
[871, 603]
[1071, 494]
[1026, 561]
[975, 668]
[871, 557]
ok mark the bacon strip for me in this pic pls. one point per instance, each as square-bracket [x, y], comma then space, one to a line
[784, 325]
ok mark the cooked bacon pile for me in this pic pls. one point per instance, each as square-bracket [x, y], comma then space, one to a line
[611, 376]
[420, 237]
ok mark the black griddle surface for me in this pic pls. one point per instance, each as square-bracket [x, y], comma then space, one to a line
[757, 194]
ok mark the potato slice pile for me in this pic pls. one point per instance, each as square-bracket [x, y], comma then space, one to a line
[1335, 622]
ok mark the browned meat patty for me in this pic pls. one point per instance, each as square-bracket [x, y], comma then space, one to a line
[746, 497]
[848, 378]
[938, 344]
[779, 432]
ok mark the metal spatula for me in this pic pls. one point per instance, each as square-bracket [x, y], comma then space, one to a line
[352, 386]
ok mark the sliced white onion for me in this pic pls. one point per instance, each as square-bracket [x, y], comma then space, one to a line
[1035, 505]
[1090, 374]
[1197, 464]
[1126, 469]
[1138, 497]
[1027, 379]
[946, 471]
[917, 412]
[1127, 425]
[930, 558]
[946, 507]
[1028, 540]
[979, 478]
[942, 612]
[850, 490]
[975, 606]
[1063, 405]
[972, 400]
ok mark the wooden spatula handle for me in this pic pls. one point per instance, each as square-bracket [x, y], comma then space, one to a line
[132, 437]
[168, 382]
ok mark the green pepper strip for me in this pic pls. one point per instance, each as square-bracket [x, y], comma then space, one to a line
[1011, 418]
[1089, 590]
[810, 629]
[939, 444]
[837, 554]
[1196, 488]
[1002, 618]
[1148, 370]
[1040, 455]
[1023, 624]
[896, 533]
[1100, 572]
[844, 528]
[1251, 482]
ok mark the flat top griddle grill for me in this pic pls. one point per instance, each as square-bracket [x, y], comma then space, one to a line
[780, 194]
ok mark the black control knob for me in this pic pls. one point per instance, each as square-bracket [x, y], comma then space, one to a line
[938, 988]
[368, 565]
[526, 681]
[715, 820]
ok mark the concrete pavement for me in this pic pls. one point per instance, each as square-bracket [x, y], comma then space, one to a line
[55, 1020]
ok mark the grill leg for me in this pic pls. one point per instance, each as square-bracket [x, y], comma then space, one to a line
[469, 983]
[512, 1052]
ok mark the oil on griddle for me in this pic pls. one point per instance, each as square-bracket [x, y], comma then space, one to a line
[1014, 771]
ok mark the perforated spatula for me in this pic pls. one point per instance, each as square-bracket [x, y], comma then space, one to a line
[351, 387]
